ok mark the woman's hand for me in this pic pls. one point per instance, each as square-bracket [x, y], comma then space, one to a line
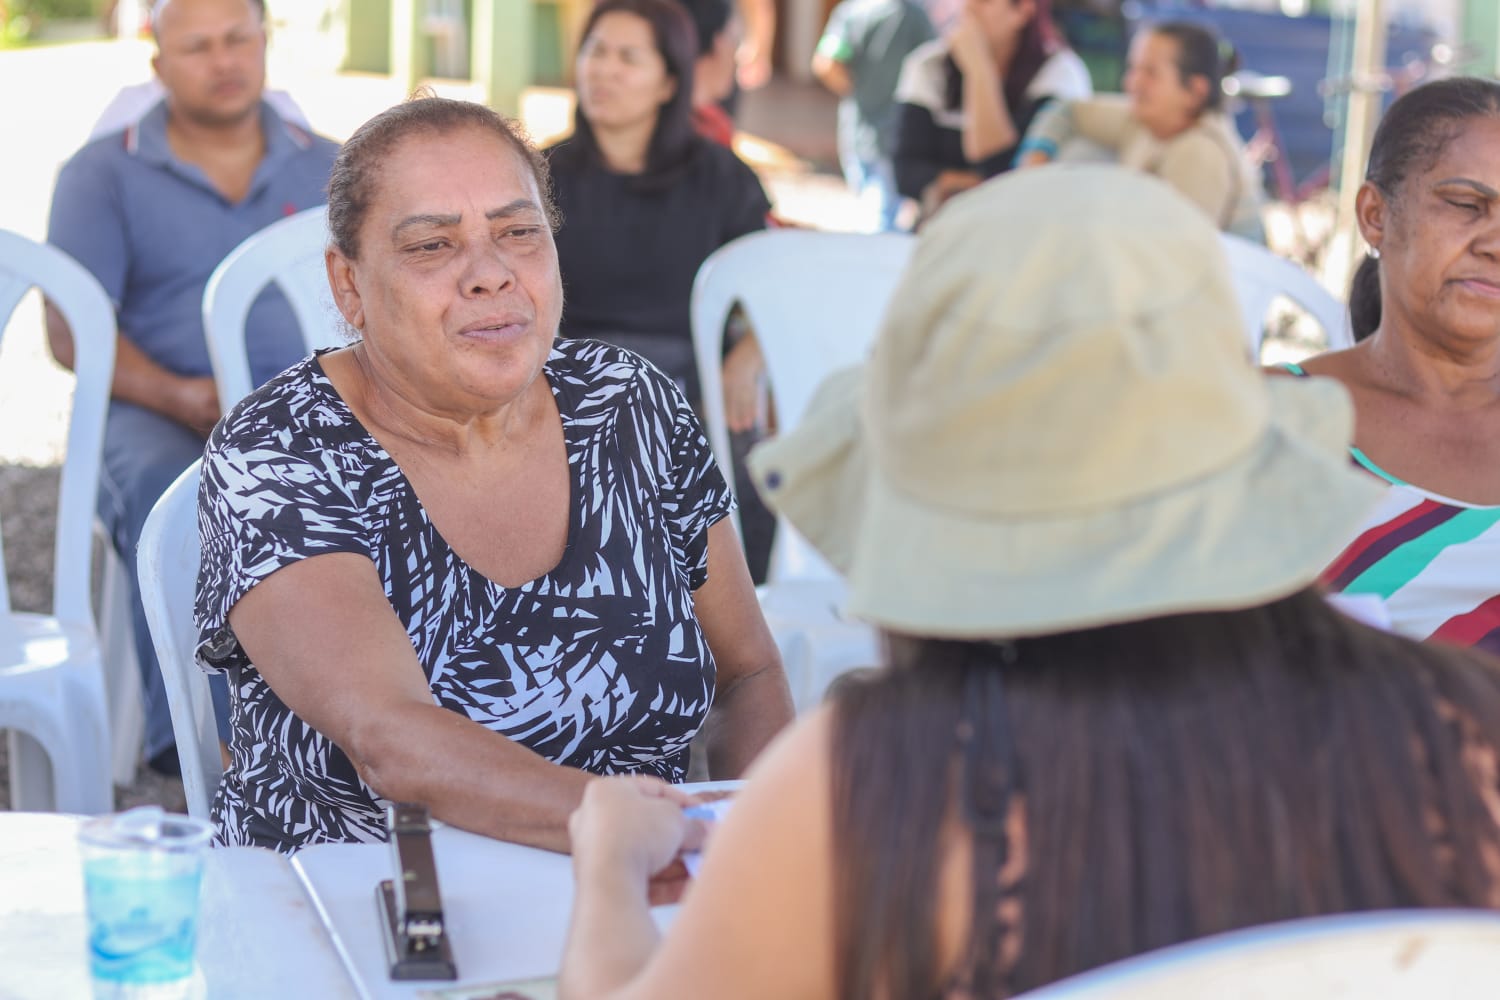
[743, 367]
[633, 826]
[945, 186]
[970, 47]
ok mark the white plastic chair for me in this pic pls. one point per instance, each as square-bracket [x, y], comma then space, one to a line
[290, 253]
[815, 301]
[167, 561]
[1383, 955]
[1260, 277]
[52, 689]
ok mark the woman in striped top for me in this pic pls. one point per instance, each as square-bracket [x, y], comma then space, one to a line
[1425, 372]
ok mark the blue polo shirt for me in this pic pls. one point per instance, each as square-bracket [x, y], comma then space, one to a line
[152, 229]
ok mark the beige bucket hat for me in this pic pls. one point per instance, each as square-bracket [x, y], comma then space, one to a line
[1058, 427]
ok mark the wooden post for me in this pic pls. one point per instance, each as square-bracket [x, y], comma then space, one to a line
[408, 62]
[501, 56]
[1365, 97]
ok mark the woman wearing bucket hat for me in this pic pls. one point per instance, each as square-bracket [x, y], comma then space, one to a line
[1425, 373]
[1114, 716]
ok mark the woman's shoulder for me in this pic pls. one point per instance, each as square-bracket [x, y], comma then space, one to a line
[605, 375]
[1064, 75]
[298, 411]
[718, 163]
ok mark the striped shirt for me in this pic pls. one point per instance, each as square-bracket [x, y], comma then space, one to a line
[1434, 562]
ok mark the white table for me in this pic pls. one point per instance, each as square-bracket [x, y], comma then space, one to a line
[506, 907]
[258, 936]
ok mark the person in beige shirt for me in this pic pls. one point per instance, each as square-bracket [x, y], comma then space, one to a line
[1169, 122]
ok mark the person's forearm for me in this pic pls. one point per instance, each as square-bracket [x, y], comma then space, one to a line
[468, 776]
[833, 74]
[746, 717]
[611, 935]
[137, 378]
[988, 128]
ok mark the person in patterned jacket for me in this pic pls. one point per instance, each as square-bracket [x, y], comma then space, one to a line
[462, 562]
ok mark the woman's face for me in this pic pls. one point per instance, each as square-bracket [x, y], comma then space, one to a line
[1439, 242]
[1002, 21]
[622, 78]
[1159, 98]
[456, 288]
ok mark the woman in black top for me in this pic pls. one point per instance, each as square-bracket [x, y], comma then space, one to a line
[645, 199]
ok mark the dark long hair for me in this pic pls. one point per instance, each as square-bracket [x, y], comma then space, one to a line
[1200, 52]
[674, 141]
[1040, 40]
[1176, 777]
[1410, 139]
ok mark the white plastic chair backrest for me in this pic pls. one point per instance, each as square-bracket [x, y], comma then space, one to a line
[167, 561]
[25, 264]
[815, 301]
[289, 253]
[1260, 276]
[1383, 955]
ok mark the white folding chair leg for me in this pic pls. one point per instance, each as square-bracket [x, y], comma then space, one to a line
[122, 674]
[31, 786]
[58, 760]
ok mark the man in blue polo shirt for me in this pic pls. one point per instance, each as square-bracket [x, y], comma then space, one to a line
[151, 211]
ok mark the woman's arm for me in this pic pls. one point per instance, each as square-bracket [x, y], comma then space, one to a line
[759, 920]
[1199, 168]
[752, 702]
[988, 126]
[322, 633]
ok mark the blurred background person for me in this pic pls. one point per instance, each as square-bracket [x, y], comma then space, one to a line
[1425, 373]
[967, 99]
[151, 211]
[644, 198]
[462, 562]
[718, 28]
[1116, 715]
[859, 58]
[1170, 122]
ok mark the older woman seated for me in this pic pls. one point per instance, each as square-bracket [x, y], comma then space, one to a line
[1169, 123]
[1425, 374]
[460, 562]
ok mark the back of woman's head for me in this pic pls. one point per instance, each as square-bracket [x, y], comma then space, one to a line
[1147, 783]
[676, 41]
[1201, 53]
[1409, 140]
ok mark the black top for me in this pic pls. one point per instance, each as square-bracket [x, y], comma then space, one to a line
[629, 255]
[929, 126]
[598, 664]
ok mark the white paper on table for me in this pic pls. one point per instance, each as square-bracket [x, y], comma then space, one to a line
[713, 812]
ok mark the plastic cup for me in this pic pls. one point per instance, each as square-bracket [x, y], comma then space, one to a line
[141, 873]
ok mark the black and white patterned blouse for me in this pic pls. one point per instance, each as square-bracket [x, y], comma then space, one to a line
[600, 664]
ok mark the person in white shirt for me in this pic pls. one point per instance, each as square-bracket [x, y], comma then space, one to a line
[967, 99]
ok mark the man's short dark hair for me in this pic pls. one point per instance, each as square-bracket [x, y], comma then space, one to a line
[710, 18]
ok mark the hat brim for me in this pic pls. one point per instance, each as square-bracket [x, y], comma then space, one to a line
[1260, 528]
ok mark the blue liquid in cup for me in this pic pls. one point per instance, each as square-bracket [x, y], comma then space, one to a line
[141, 874]
[143, 918]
